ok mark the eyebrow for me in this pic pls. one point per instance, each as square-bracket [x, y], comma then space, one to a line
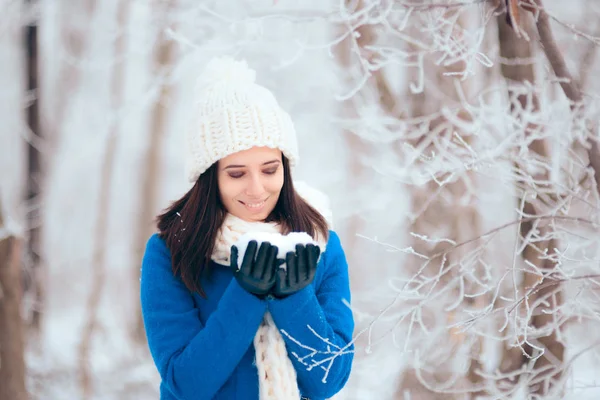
[242, 166]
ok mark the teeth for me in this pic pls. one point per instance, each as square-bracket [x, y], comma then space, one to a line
[255, 205]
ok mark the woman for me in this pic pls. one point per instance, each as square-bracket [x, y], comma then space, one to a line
[226, 325]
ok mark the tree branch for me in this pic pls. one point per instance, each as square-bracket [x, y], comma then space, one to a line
[568, 84]
[556, 59]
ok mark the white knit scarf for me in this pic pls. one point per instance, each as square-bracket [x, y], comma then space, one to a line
[276, 374]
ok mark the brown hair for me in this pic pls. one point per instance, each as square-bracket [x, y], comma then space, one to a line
[190, 225]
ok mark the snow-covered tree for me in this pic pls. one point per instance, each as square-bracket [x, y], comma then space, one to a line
[457, 141]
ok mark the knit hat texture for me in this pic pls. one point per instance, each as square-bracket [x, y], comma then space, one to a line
[232, 113]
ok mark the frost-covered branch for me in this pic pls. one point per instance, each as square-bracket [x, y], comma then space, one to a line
[322, 358]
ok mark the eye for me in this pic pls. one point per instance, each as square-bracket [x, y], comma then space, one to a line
[236, 175]
[270, 171]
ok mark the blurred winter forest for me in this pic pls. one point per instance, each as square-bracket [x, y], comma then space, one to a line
[456, 140]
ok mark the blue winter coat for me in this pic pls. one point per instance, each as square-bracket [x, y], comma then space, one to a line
[203, 348]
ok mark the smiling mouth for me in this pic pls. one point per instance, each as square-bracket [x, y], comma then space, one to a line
[255, 205]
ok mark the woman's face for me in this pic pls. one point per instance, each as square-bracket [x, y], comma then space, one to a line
[250, 182]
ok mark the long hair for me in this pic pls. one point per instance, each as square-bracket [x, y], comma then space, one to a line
[190, 225]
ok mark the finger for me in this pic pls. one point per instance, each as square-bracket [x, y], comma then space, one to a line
[307, 265]
[316, 251]
[302, 263]
[271, 266]
[316, 254]
[258, 270]
[233, 258]
[312, 270]
[280, 284]
[246, 268]
[291, 275]
[312, 257]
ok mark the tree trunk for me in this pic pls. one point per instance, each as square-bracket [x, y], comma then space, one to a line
[98, 267]
[544, 373]
[446, 210]
[150, 172]
[569, 85]
[12, 346]
[349, 53]
[33, 263]
[73, 24]
[357, 146]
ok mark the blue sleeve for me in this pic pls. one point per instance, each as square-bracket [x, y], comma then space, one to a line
[322, 364]
[193, 360]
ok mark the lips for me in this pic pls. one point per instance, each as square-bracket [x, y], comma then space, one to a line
[254, 205]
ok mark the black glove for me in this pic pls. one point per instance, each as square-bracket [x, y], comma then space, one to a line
[256, 274]
[300, 272]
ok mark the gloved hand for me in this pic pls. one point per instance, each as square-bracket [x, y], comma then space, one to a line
[256, 274]
[300, 271]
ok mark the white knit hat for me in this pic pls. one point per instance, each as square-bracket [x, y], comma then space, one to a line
[232, 113]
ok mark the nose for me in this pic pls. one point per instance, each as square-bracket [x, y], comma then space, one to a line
[255, 186]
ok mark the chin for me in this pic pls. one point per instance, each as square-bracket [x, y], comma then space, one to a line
[254, 218]
[258, 217]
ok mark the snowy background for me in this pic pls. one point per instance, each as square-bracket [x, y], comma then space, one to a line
[407, 119]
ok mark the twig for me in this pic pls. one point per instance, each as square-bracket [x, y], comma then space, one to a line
[419, 6]
[568, 84]
[521, 220]
[547, 282]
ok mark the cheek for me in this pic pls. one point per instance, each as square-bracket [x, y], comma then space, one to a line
[228, 189]
[275, 185]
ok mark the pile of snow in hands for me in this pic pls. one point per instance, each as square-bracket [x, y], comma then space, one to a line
[284, 243]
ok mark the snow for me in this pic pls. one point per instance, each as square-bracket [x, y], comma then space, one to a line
[370, 163]
[284, 243]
